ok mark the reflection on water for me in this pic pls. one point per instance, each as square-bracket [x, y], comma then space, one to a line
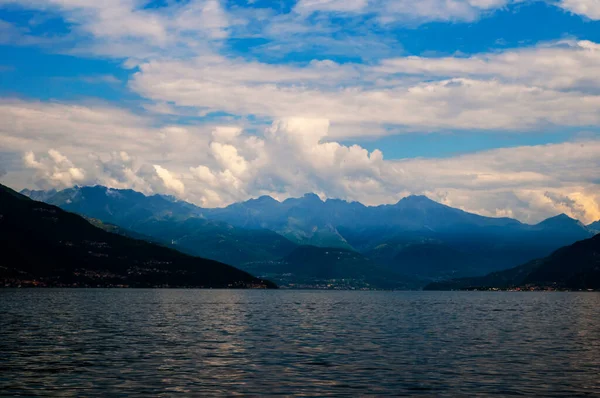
[150, 342]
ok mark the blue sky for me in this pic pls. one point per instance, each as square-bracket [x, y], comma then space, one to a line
[478, 104]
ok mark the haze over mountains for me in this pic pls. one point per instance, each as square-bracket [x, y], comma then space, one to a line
[412, 243]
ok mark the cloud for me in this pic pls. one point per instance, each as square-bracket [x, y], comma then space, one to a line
[561, 65]
[35, 125]
[387, 11]
[170, 181]
[572, 206]
[54, 170]
[218, 165]
[516, 89]
[310, 6]
[362, 95]
[588, 8]
[518, 182]
[126, 28]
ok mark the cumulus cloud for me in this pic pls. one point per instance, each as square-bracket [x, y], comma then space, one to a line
[518, 182]
[54, 170]
[170, 181]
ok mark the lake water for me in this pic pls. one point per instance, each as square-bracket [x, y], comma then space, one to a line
[210, 342]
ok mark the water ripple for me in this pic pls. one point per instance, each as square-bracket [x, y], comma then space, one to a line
[303, 343]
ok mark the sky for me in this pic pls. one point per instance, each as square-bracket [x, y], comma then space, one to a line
[491, 106]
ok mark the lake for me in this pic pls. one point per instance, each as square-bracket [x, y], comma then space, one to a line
[327, 343]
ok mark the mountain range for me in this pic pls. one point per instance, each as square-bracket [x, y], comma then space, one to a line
[572, 267]
[413, 242]
[43, 245]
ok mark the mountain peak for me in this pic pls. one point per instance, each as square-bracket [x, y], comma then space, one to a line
[417, 200]
[264, 199]
[560, 217]
[39, 194]
[312, 197]
[560, 221]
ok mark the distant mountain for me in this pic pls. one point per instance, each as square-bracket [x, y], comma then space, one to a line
[41, 196]
[310, 266]
[309, 220]
[595, 227]
[174, 223]
[217, 240]
[305, 221]
[44, 245]
[122, 207]
[573, 267]
[426, 259]
[562, 224]
[416, 236]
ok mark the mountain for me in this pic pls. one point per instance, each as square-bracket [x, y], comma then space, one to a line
[39, 195]
[311, 266]
[595, 227]
[416, 236]
[217, 240]
[572, 267]
[562, 224]
[305, 221]
[173, 223]
[426, 259]
[309, 220]
[122, 207]
[44, 245]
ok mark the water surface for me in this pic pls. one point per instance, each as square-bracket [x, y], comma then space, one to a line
[85, 342]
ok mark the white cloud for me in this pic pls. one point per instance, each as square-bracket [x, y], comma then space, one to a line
[562, 65]
[228, 158]
[588, 8]
[171, 182]
[226, 133]
[54, 170]
[388, 11]
[292, 157]
[521, 89]
[125, 28]
[453, 103]
[309, 6]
